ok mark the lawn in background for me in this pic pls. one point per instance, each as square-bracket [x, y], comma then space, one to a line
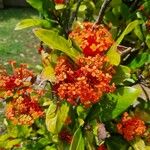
[17, 45]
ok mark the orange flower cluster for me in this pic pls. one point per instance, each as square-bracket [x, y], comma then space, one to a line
[21, 78]
[86, 82]
[130, 127]
[23, 107]
[93, 39]
[23, 110]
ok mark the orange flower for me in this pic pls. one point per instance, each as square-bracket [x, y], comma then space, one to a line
[86, 82]
[92, 40]
[18, 82]
[23, 110]
[130, 127]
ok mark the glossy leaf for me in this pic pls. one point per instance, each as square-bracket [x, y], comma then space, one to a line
[131, 26]
[140, 60]
[26, 23]
[89, 138]
[56, 42]
[122, 73]
[148, 40]
[56, 116]
[50, 148]
[77, 141]
[115, 2]
[62, 115]
[138, 33]
[48, 74]
[114, 104]
[37, 4]
[51, 118]
[139, 144]
[112, 54]
[11, 143]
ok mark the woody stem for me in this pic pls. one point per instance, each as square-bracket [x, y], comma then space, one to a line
[102, 11]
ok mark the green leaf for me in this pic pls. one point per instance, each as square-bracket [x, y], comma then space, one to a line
[56, 116]
[125, 97]
[115, 3]
[112, 54]
[56, 42]
[131, 26]
[148, 40]
[51, 118]
[48, 74]
[122, 73]
[77, 141]
[112, 105]
[116, 142]
[138, 144]
[11, 143]
[140, 60]
[50, 148]
[4, 137]
[43, 6]
[62, 115]
[138, 33]
[26, 23]
[37, 4]
[89, 140]
[43, 141]
[23, 131]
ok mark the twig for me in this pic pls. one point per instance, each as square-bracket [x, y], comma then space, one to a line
[145, 92]
[134, 5]
[102, 11]
[74, 14]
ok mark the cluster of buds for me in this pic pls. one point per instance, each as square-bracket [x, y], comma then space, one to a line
[86, 81]
[22, 106]
[131, 127]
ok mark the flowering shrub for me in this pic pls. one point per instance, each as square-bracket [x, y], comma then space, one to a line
[89, 94]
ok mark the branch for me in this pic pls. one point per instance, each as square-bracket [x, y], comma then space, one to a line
[134, 5]
[145, 92]
[102, 11]
[75, 13]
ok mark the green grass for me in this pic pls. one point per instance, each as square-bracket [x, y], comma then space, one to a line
[17, 45]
